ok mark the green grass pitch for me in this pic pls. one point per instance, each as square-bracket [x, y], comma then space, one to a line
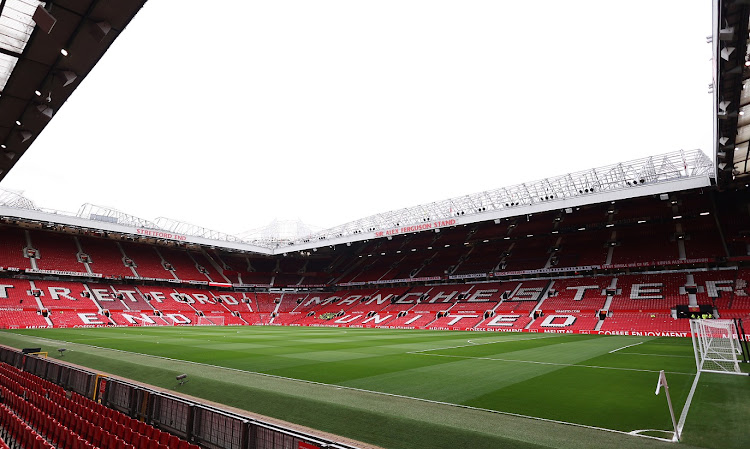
[429, 389]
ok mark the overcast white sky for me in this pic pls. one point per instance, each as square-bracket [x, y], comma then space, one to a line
[228, 114]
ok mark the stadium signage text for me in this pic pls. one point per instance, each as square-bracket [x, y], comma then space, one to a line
[416, 228]
[63, 273]
[160, 234]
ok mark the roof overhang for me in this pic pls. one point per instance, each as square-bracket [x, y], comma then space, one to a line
[45, 53]
[731, 91]
[654, 175]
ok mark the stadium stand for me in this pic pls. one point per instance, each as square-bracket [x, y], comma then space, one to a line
[61, 295]
[587, 294]
[21, 319]
[12, 247]
[183, 265]
[168, 300]
[118, 298]
[567, 322]
[56, 252]
[628, 259]
[650, 292]
[583, 249]
[39, 414]
[105, 257]
[147, 261]
[640, 322]
[634, 245]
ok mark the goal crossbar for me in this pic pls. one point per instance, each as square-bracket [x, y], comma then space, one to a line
[716, 346]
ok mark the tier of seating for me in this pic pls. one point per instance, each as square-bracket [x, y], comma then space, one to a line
[578, 294]
[43, 303]
[56, 251]
[650, 292]
[183, 265]
[635, 245]
[118, 298]
[644, 322]
[37, 414]
[21, 319]
[148, 263]
[12, 248]
[59, 295]
[105, 257]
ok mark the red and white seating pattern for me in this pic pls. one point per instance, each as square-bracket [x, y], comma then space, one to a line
[147, 261]
[12, 243]
[568, 304]
[38, 414]
[56, 252]
[105, 257]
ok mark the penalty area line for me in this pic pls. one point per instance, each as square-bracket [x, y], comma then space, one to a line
[688, 401]
[478, 344]
[624, 347]
[547, 363]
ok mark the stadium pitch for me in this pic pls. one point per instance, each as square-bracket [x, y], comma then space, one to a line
[431, 389]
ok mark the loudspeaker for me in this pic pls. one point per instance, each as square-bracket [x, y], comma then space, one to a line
[24, 136]
[100, 30]
[67, 77]
[45, 111]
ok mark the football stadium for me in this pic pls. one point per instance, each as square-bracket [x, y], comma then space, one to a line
[604, 307]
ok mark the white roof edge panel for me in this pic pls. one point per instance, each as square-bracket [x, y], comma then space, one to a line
[677, 171]
[594, 198]
[70, 220]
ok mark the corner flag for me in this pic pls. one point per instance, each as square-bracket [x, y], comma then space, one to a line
[663, 381]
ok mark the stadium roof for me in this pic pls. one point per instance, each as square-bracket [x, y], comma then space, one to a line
[46, 49]
[731, 91]
[654, 175]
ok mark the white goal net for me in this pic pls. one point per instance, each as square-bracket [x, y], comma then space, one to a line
[210, 321]
[716, 346]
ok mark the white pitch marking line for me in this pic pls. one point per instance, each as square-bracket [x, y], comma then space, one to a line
[628, 346]
[550, 363]
[686, 407]
[638, 433]
[474, 344]
[660, 355]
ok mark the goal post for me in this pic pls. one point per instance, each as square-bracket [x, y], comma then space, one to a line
[716, 345]
[210, 321]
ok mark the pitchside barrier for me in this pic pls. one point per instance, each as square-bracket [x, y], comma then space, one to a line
[201, 424]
